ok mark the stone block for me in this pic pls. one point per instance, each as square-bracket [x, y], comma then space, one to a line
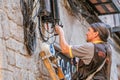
[13, 10]
[32, 76]
[11, 57]
[16, 31]
[22, 61]
[25, 75]
[3, 60]
[6, 75]
[26, 63]
[16, 45]
[17, 74]
[5, 25]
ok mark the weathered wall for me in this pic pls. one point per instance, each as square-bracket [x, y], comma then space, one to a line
[15, 62]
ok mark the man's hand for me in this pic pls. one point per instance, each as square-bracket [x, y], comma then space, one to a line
[58, 29]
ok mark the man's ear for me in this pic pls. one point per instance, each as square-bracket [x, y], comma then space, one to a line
[96, 34]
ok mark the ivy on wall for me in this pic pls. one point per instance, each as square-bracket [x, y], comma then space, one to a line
[29, 25]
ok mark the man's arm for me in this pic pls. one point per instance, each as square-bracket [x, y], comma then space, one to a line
[63, 44]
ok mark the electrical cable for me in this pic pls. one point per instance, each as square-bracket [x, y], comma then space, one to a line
[47, 30]
[45, 38]
[40, 31]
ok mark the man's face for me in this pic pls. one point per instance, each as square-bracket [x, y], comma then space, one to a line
[91, 34]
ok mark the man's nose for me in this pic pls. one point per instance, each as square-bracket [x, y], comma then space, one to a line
[86, 33]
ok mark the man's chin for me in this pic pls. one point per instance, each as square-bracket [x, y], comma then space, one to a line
[87, 41]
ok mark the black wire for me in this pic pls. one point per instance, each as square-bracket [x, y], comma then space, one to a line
[44, 38]
[41, 31]
[48, 31]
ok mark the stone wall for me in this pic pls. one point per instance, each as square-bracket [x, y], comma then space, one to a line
[15, 62]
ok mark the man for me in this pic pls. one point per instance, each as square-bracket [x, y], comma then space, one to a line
[95, 55]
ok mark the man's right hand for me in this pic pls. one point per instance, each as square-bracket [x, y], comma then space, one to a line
[58, 29]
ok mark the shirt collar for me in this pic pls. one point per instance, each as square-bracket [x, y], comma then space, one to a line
[98, 42]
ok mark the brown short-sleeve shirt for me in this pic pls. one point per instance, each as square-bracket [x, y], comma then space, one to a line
[84, 52]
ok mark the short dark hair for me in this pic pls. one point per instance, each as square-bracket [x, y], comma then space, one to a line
[102, 29]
